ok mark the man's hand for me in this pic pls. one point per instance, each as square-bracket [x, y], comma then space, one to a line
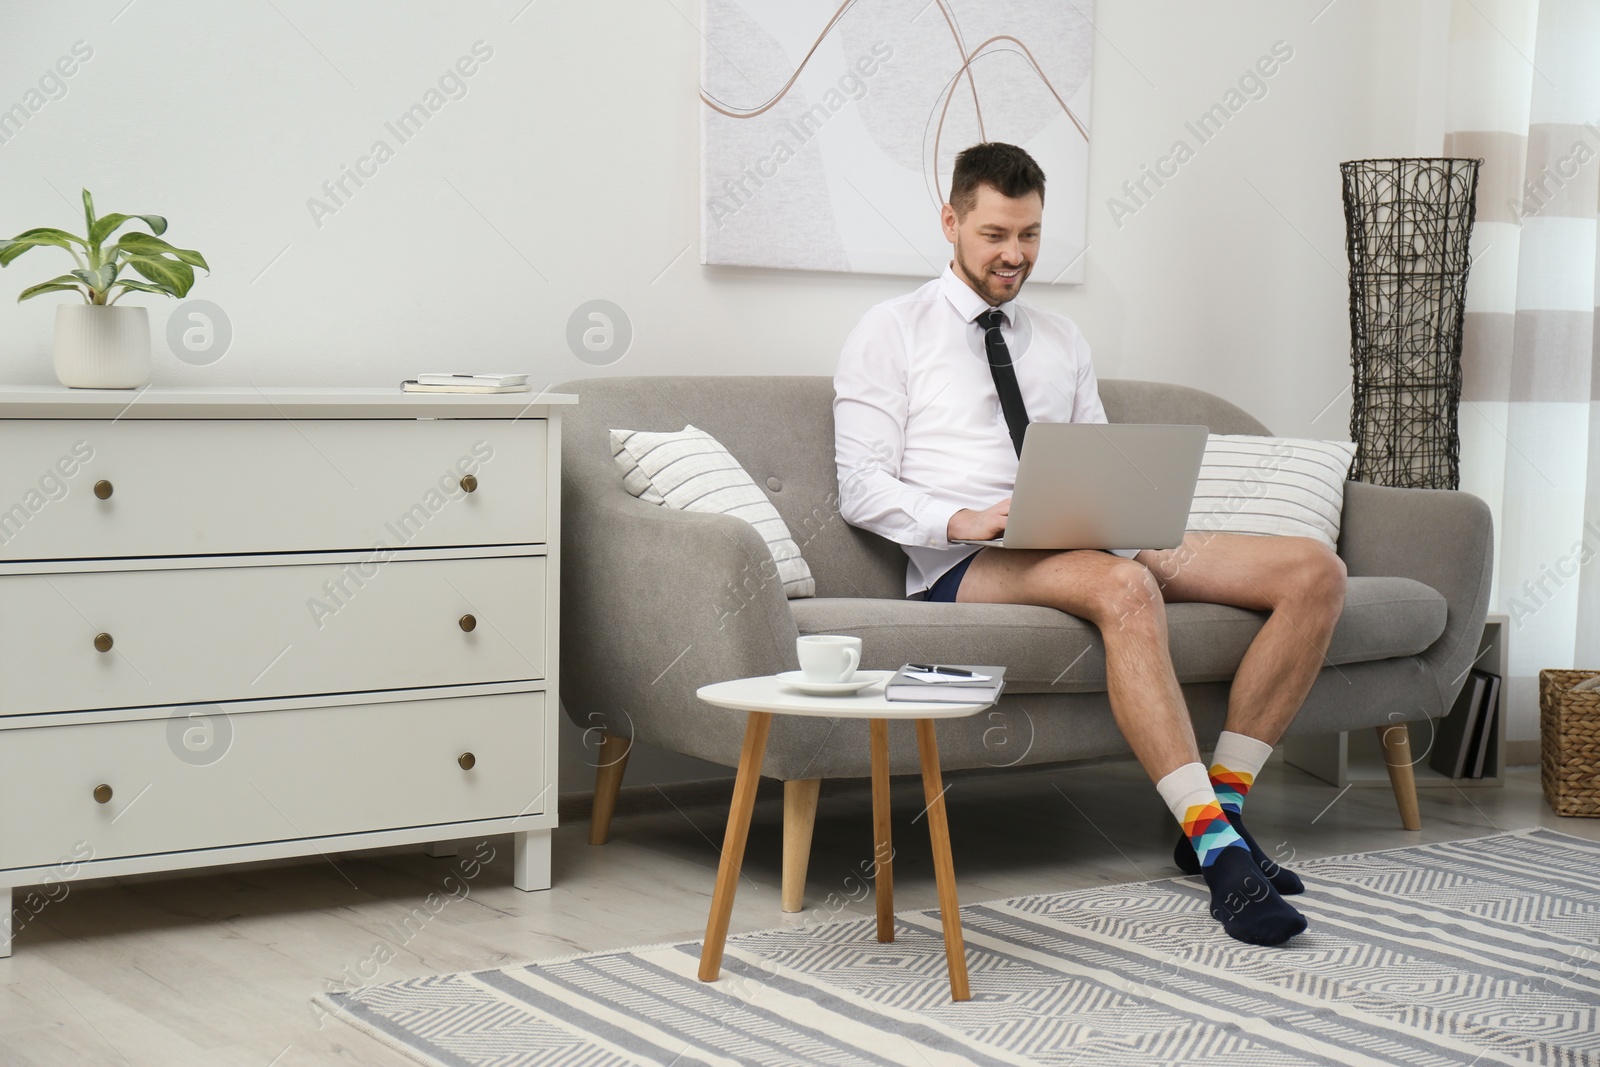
[985, 525]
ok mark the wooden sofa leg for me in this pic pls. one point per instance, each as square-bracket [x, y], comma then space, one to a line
[799, 817]
[1396, 741]
[614, 752]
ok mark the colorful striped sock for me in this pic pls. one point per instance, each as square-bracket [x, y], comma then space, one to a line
[1193, 803]
[1234, 767]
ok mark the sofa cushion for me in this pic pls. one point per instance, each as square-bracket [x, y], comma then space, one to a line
[691, 471]
[1045, 650]
[1284, 486]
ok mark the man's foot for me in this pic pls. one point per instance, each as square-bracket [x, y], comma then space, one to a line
[1244, 902]
[1283, 880]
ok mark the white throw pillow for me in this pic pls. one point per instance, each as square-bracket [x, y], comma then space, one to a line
[1288, 486]
[691, 471]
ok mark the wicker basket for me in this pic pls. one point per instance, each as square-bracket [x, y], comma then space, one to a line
[1569, 743]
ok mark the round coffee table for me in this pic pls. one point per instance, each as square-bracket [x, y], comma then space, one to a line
[767, 696]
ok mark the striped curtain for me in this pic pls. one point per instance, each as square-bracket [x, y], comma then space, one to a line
[1524, 94]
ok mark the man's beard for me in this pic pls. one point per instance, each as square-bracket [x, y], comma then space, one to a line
[979, 280]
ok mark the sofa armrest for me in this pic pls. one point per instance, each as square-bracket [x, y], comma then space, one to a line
[657, 602]
[1441, 537]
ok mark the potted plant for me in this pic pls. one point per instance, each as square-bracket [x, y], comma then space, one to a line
[99, 345]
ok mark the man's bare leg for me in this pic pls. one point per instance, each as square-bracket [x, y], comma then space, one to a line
[1297, 579]
[1118, 596]
[1123, 600]
[1301, 582]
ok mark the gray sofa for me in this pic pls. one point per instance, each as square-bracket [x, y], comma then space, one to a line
[656, 602]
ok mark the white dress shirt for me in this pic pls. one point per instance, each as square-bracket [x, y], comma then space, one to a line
[918, 429]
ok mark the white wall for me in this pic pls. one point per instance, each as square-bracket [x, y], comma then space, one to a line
[568, 172]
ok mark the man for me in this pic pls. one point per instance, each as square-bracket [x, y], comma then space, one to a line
[929, 413]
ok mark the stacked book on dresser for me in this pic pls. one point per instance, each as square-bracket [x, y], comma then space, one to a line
[1464, 746]
[467, 383]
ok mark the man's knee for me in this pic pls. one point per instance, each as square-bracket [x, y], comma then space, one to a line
[1124, 593]
[1317, 578]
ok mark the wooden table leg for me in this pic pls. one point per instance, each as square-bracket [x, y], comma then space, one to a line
[944, 869]
[882, 848]
[744, 802]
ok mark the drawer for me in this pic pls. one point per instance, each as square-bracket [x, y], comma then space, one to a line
[307, 772]
[202, 487]
[233, 633]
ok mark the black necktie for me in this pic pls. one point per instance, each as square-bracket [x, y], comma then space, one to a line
[1005, 376]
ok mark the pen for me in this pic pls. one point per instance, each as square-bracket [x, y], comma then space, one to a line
[934, 668]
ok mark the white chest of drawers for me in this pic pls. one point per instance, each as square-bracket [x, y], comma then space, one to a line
[247, 623]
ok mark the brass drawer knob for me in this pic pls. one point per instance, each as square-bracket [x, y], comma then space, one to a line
[102, 642]
[102, 794]
[102, 489]
[469, 623]
[467, 761]
[469, 483]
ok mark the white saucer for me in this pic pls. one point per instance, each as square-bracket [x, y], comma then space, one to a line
[797, 680]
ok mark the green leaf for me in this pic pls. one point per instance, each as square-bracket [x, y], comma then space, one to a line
[145, 287]
[106, 225]
[165, 272]
[54, 285]
[10, 250]
[142, 244]
[97, 277]
[88, 210]
[41, 231]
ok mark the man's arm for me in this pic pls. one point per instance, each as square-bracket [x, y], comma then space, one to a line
[870, 408]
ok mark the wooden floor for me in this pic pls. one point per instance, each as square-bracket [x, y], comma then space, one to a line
[218, 968]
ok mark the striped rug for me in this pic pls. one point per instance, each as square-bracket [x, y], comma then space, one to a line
[1475, 952]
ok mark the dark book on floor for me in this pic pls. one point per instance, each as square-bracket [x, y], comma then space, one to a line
[1453, 742]
[1484, 742]
[980, 684]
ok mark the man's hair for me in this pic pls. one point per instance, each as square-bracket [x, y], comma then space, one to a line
[1010, 170]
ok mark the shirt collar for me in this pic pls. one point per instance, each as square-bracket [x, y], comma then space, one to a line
[968, 304]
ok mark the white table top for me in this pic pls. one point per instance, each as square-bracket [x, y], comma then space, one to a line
[769, 694]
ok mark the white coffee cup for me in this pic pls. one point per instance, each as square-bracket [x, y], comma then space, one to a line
[828, 657]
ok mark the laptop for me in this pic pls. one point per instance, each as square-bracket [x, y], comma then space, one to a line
[1099, 485]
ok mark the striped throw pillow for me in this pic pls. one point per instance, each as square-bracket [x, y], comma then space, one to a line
[1288, 486]
[691, 471]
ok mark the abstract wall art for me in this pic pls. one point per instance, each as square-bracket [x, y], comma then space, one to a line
[829, 128]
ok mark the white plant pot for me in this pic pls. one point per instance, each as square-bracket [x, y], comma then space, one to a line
[102, 347]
